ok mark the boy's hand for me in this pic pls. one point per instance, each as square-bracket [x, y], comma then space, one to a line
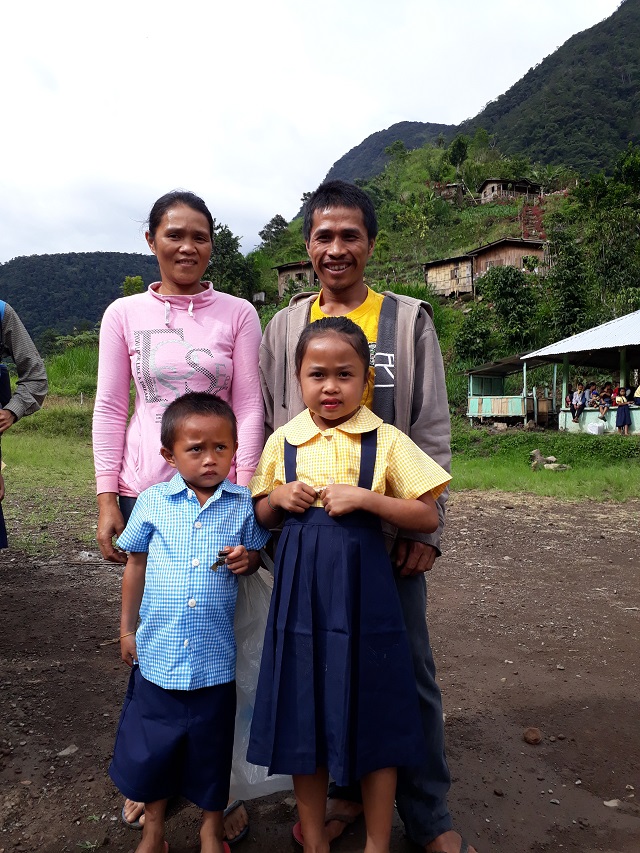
[293, 497]
[237, 560]
[128, 649]
[339, 499]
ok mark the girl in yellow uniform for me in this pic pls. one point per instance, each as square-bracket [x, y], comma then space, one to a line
[337, 693]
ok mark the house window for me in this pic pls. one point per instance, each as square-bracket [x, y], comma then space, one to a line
[454, 272]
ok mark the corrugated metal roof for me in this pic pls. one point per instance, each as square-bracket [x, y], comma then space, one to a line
[622, 332]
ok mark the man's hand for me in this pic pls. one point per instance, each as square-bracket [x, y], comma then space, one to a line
[7, 419]
[412, 557]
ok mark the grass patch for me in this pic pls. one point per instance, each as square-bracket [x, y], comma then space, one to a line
[66, 419]
[50, 492]
[73, 372]
[602, 467]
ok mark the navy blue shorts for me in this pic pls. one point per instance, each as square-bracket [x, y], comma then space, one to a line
[174, 743]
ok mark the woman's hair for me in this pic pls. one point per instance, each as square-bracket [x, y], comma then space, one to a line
[196, 403]
[342, 326]
[173, 199]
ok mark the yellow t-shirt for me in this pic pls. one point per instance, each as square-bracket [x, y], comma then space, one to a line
[402, 470]
[367, 317]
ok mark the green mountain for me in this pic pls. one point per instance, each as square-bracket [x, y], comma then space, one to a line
[368, 158]
[68, 291]
[580, 106]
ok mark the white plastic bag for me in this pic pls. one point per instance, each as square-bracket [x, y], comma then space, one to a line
[254, 594]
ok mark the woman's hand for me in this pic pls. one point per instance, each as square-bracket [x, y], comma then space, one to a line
[293, 497]
[339, 499]
[110, 524]
[128, 650]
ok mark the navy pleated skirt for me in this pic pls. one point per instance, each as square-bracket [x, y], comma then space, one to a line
[336, 686]
[623, 416]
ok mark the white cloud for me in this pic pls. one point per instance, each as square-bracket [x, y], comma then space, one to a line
[247, 104]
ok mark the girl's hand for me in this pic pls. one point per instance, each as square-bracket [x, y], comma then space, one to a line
[339, 499]
[128, 649]
[237, 560]
[293, 497]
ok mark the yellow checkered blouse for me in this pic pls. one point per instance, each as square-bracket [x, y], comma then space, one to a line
[402, 470]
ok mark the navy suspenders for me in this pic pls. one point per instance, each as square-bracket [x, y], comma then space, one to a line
[368, 448]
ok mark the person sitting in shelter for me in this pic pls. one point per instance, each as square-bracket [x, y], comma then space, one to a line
[605, 400]
[636, 396]
[578, 402]
[569, 398]
[592, 396]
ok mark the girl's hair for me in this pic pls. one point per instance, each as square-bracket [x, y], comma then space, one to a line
[342, 326]
[195, 403]
[173, 199]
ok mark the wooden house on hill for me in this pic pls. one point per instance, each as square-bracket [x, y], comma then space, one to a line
[499, 189]
[450, 276]
[456, 276]
[507, 252]
[300, 273]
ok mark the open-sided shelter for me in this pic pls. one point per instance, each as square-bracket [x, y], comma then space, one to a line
[613, 346]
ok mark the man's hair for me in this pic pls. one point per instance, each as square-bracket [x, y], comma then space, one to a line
[339, 194]
[341, 326]
[196, 403]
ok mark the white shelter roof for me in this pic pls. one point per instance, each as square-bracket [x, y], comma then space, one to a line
[585, 347]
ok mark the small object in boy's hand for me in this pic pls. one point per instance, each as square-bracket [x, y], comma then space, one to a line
[221, 561]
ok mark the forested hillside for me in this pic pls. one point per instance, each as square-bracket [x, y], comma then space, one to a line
[68, 291]
[580, 106]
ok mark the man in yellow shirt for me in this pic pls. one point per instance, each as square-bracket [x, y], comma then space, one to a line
[407, 390]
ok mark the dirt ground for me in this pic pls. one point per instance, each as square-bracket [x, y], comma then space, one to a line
[535, 621]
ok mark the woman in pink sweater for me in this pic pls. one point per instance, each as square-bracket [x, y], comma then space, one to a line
[178, 336]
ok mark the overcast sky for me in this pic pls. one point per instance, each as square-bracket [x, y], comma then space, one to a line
[248, 103]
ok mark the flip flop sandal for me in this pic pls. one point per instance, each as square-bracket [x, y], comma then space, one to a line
[130, 824]
[297, 827]
[229, 809]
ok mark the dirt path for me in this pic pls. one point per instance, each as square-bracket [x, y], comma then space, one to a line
[535, 621]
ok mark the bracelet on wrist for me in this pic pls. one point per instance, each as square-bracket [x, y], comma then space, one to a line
[128, 634]
[271, 506]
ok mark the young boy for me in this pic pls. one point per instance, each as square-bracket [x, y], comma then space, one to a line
[188, 540]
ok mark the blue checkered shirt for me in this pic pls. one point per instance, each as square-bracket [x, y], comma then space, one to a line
[185, 639]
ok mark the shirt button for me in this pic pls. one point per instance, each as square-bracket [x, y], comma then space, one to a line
[195, 562]
[330, 481]
[198, 524]
[186, 643]
[192, 602]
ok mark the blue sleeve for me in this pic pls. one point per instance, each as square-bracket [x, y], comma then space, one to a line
[137, 534]
[254, 537]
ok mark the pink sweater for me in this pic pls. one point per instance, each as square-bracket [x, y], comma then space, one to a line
[170, 345]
